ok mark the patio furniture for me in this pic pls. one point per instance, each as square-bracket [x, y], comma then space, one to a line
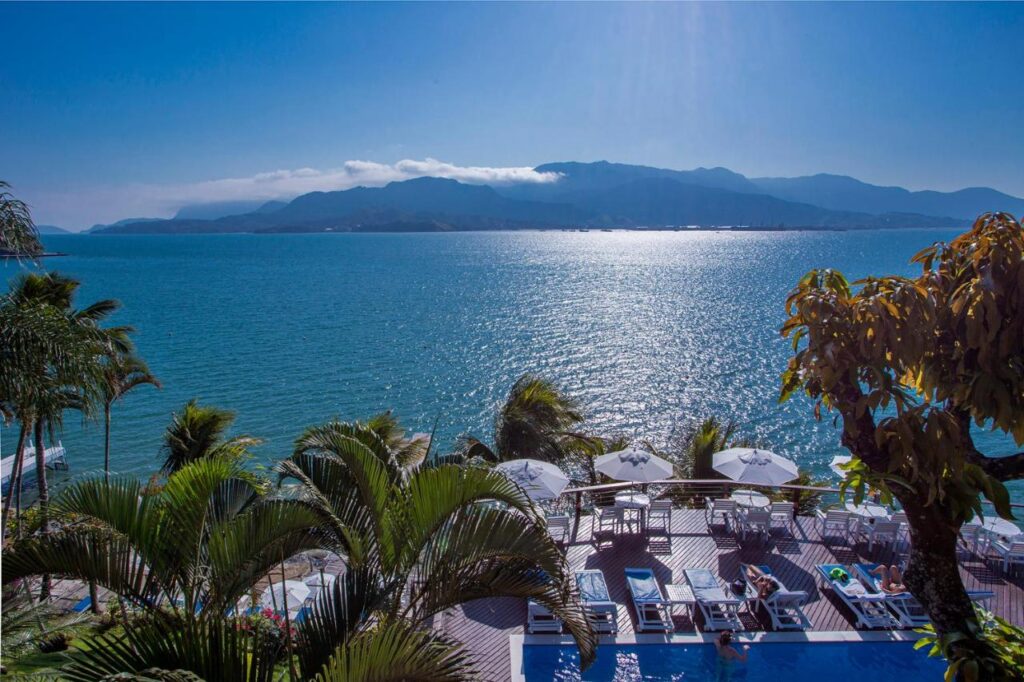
[754, 466]
[659, 516]
[633, 502]
[867, 606]
[679, 594]
[783, 605]
[720, 508]
[749, 499]
[540, 619]
[653, 611]
[632, 464]
[541, 480]
[720, 611]
[783, 514]
[608, 520]
[907, 609]
[558, 528]
[882, 532]
[755, 521]
[833, 523]
[602, 612]
[973, 540]
[1010, 552]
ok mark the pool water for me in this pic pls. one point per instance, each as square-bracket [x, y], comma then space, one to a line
[767, 662]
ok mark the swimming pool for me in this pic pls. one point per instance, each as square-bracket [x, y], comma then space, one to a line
[768, 662]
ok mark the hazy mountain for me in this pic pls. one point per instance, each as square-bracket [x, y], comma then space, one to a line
[220, 209]
[52, 229]
[99, 227]
[844, 193]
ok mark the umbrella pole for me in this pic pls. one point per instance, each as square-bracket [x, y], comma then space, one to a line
[579, 508]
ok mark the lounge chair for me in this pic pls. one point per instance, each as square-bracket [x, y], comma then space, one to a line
[653, 611]
[720, 610]
[907, 609]
[540, 619]
[784, 606]
[558, 529]
[601, 610]
[866, 604]
[1009, 552]
[83, 605]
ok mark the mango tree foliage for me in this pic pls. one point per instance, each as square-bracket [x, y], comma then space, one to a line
[908, 365]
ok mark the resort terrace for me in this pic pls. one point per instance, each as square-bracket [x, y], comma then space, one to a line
[792, 553]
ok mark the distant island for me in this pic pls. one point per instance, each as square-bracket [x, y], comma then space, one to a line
[599, 195]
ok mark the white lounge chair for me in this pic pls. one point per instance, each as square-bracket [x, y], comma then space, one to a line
[907, 609]
[784, 606]
[867, 605]
[653, 611]
[833, 523]
[721, 611]
[602, 612]
[558, 528]
[540, 619]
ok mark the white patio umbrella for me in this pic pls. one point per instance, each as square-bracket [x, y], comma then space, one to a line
[838, 461]
[290, 595]
[632, 464]
[318, 580]
[540, 480]
[750, 465]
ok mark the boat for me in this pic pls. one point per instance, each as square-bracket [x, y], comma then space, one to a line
[55, 457]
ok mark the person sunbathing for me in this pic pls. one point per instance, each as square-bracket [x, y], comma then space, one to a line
[727, 651]
[891, 579]
[766, 585]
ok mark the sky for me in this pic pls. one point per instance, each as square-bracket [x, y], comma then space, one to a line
[110, 111]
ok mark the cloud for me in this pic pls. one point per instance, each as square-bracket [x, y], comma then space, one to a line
[81, 208]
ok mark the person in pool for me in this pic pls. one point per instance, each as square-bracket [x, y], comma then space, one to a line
[727, 651]
[892, 579]
[766, 584]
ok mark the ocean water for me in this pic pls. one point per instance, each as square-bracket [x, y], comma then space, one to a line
[767, 662]
[650, 331]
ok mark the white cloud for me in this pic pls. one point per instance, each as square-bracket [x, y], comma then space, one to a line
[81, 208]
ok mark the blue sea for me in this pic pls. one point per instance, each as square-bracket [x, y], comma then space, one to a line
[650, 331]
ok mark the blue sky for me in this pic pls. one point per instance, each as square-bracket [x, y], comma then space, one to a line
[111, 111]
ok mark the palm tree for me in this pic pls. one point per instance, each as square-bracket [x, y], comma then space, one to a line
[534, 422]
[18, 234]
[423, 536]
[197, 432]
[121, 373]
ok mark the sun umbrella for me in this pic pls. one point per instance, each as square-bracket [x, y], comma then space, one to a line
[290, 595]
[750, 465]
[837, 462]
[318, 580]
[540, 480]
[633, 465]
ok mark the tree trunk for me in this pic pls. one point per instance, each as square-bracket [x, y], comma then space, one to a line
[44, 499]
[106, 442]
[14, 484]
[94, 597]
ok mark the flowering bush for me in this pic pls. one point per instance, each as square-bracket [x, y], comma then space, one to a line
[267, 628]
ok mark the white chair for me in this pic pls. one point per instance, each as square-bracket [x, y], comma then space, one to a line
[558, 529]
[972, 540]
[834, 522]
[609, 520]
[755, 521]
[721, 508]
[880, 532]
[901, 518]
[782, 515]
[1011, 552]
[659, 517]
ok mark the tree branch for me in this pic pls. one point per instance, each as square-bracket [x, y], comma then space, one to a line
[1008, 468]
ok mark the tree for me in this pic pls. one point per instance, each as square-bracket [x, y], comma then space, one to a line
[534, 422]
[18, 234]
[197, 432]
[121, 373]
[424, 535]
[909, 364]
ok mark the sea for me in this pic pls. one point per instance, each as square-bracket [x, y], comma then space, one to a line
[649, 331]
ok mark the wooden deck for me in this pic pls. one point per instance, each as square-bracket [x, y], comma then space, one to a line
[485, 625]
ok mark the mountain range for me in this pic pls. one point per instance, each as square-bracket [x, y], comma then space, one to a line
[599, 194]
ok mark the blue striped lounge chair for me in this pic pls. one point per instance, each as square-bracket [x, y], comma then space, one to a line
[653, 612]
[866, 605]
[784, 606]
[601, 610]
[720, 610]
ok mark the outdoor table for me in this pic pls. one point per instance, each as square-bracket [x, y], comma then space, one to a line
[680, 595]
[631, 501]
[749, 499]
